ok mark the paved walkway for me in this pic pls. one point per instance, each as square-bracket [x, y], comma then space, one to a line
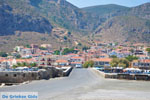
[84, 84]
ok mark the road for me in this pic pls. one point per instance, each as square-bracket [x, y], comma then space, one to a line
[84, 84]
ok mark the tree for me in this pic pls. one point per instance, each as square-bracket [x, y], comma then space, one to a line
[79, 44]
[3, 54]
[85, 48]
[114, 62]
[113, 56]
[33, 64]
[123, 63]
[42, 48]
[131, 50]
[88, 64]
[116, 43]
[148, 50]
[65, 38]
[14, 66]
[24, 64]
[67, 51]
[130, 58]
[18, 56]
[57, 52]
[69, 33]
[119, 47]
[19, 64]
[28, 46]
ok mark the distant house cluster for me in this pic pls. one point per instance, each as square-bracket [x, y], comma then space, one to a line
[100, 53]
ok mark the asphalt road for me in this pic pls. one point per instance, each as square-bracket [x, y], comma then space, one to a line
[84, 84]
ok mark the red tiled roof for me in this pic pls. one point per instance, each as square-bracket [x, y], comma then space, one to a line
[1, 60]
[141, 56]
[103, 59]
[24, 60]
[61, 61]
[76, 57]
[145, 61]
[76, 62]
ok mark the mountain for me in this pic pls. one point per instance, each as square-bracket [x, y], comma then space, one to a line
[11, 22]
[129, 25]
[105, 9]
[49, 12]
[49, 21]
[142, 11]
[124, 29]
[41, 17]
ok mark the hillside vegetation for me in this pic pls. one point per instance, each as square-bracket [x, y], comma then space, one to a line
[51, 20]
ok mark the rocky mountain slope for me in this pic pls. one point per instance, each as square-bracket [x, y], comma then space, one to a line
[11, 22]
[128, 25]
[56, 12]
[51, 20]
[105, 9]
[41, 17]
[124, 29]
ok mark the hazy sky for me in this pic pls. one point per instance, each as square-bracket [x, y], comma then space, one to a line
[129, 3]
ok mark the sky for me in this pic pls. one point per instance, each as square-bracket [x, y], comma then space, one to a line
[86, 3]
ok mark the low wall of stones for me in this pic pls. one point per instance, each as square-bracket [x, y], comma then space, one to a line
[22, 76]
[17, 77]
[145, 77]
[68, 71]
[134, 76]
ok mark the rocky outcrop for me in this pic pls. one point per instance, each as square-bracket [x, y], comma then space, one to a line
[10, 22]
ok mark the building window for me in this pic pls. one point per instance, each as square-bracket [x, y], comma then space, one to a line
[101, 63]
[6, 75]
[49, 59]
[15, 75]
[43, 59]
[106, 62]
[96, 63]
[32, 75]
[23, 75]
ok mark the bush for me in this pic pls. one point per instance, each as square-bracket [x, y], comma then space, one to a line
[28, 46]
[131, 58]
[113, 56]
[3, 54]
[85, 48]
[57, 52]
[116, 62]
[69, 33]
[42, 48]
[67, 51]
[65, 38]
[88, 64]
[18, 56]
[148, 50]
[33, 64]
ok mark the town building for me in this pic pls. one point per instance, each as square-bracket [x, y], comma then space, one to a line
[142, 64]
[102, 62]
[45, 61]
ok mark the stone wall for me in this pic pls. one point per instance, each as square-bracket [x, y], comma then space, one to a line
[22, 76]
[17, 77]
[68, 71]
[145, 77]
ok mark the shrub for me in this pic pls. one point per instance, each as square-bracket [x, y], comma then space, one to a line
[88, 64]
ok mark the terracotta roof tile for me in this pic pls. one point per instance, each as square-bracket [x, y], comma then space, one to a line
[103, 59]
